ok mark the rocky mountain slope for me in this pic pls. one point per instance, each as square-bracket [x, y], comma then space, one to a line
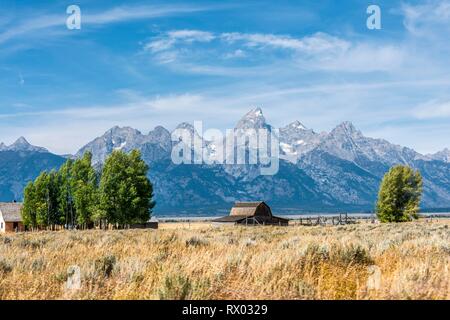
[336, 171]
[339, 170]
[20, 163]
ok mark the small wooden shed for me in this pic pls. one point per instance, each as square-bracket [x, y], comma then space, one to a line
[11, 217]
[251, 213]
[151, 224]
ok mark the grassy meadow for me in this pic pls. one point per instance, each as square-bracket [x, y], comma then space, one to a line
[199, 261]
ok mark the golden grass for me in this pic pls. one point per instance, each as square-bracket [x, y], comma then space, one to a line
[198, 261]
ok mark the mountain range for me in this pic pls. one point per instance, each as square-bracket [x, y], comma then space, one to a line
[329, 171]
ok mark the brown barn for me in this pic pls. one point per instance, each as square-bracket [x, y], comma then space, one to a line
[252, 213]
[11, 217]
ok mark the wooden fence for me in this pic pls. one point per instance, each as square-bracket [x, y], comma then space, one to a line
[322, 220]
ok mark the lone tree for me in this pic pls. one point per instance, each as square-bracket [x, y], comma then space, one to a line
[399, 195]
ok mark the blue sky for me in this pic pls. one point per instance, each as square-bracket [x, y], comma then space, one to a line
[143, 64]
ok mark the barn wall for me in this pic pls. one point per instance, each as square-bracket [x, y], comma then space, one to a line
[147, 225]
[264, 220]
[263, 210]
[9, 227]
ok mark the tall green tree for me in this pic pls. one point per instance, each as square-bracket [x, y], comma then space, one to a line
[142, 189]
[399, 195]
[53, 199]
[66, 206]
[46, 199]
[126, 194]
[83, 184]
[29, 206]
[41, 199]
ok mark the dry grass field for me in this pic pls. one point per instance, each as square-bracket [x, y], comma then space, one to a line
[198, 261]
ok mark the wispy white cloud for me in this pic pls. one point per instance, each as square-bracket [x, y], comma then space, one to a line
[191, 35]
[305, 77]
[34, 24]
[127, 13]
[319, 52]
[434, 109]
[420, 19]
[66, 130]
[31, 25]
[423, 137]
[315, 43]
[364, 57]
[171, 38]
[238, 53]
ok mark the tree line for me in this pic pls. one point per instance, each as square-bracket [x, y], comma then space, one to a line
[78, 196]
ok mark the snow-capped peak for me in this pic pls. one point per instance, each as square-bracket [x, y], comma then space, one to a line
[296, 140]
[346, 128]
[22, 144]
[254, 119]
[297, 125]
[123, 131]
[116, 138]
[258, 112]
[443, 155]
[187, 126]
[254, 114]
[160, 130]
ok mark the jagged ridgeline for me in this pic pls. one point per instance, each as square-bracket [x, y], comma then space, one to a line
[335, 171]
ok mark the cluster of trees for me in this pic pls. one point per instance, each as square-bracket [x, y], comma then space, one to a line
[77, 196]
[399, 195]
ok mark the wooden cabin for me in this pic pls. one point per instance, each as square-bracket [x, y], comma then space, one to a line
[151, 224]
[251, 213]
[11, 217]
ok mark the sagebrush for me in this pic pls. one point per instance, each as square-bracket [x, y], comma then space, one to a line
[203, 262]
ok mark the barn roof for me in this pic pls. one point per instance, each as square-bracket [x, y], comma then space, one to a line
[245, 208]
[11, 212]
[245, 212]
[248, 204]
